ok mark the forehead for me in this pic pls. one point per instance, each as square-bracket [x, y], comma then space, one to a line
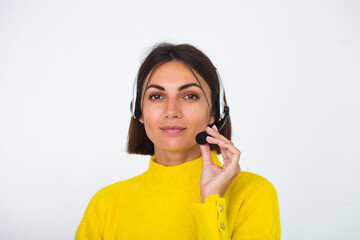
[175, 73]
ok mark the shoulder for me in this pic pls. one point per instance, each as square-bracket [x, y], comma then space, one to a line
[116, 190]
[247, 178]
[248, 183]
[108, 198]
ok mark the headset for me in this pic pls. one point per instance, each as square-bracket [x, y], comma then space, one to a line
[222, 111]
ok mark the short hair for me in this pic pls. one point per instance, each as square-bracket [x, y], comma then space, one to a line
[138, 142]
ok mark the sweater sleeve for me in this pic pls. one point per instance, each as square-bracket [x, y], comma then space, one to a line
[92, 224]
[211, 218]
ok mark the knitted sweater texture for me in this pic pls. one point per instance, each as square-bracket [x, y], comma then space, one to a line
[164, 203]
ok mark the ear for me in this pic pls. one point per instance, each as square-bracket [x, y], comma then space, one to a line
[212, 117]
[141, 120]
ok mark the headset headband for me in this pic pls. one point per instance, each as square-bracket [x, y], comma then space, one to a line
[221, 97]
[133, 101]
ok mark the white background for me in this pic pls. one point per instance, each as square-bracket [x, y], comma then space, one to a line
[291, 75]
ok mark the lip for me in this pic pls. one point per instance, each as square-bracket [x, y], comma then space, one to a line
[172, 130]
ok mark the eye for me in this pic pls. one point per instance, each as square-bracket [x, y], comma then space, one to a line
[155, 97]
[192, 96]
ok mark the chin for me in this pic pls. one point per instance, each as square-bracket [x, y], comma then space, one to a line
[178, 147]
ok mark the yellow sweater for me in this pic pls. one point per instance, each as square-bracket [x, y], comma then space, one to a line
[164, 203]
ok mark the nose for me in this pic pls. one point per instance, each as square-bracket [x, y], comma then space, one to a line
[172, 109]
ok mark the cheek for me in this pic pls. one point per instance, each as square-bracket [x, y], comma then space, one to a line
[150, 118]
[149, 128]
[199, 117]
[151, 115]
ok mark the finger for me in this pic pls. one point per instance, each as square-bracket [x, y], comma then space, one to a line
[222, 144]
[213, 140]
[232, 153]
[235, 153]
[206, 155]
[225, 154]
[216, 134]
[230, 147]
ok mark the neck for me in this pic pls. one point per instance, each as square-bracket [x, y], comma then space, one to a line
[174, 158]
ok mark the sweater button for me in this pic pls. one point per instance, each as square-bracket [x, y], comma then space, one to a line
[222, 225]
[221, 207]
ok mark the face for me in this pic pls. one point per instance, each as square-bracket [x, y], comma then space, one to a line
[175, 107]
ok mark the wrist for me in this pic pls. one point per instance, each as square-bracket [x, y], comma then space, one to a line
[204, 196]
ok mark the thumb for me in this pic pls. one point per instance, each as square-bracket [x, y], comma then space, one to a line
[206, 155]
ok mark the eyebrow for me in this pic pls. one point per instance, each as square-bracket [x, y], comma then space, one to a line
[180, 88]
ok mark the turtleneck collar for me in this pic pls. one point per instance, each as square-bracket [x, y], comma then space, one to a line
[182, 175]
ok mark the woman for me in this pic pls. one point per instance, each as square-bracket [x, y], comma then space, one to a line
[186, 193]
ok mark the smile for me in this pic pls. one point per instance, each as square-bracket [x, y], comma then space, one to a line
[172, 130]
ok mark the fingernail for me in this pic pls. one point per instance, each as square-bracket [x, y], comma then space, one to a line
[210, 128]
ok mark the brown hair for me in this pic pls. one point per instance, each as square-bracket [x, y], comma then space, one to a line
[138, 141]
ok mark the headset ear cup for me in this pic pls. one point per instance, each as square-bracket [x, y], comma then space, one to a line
[137, 108]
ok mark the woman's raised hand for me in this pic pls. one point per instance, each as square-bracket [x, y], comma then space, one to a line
[216, 179]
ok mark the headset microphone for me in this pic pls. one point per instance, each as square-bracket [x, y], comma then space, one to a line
[201, 137]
